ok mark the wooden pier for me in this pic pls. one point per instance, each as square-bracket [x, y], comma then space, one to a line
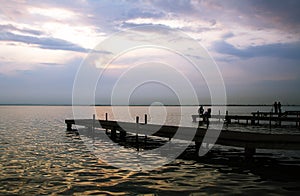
[257, 117]
[247, 140]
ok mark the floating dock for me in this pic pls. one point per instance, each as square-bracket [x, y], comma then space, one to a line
[247, 140]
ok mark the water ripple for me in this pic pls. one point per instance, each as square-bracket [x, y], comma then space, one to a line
[39, 157]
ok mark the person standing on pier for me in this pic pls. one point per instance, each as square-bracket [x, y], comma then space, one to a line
[200, 110]
[200, 113]
[275, 107]
[279, 108]
[206, 116]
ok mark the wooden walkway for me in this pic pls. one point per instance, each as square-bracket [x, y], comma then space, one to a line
[257, 117]
[247, 140]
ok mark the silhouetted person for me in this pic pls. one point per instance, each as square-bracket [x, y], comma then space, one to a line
[275, 107]
[206, 116]
[279, 108]
[200, 110]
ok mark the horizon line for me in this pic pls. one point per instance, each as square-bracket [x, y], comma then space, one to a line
[25, 104]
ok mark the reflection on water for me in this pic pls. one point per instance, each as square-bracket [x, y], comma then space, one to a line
[39, 157]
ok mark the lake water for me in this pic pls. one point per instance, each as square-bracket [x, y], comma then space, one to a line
[38, 156]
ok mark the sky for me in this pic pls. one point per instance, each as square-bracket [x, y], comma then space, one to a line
[254, 43]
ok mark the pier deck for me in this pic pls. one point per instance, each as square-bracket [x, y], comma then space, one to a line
[257, 117]
[247, 140]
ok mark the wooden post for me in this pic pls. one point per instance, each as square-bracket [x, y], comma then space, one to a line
[219, 116]
[270, 122]
[69, 127]
[258, 117]
[113, 133]
[137, 135]
[145, 140]
[253, 119]
[123, 135]
[146, 119]
[279, 116]
[93, 126]
[197, 147]
[228, 121]
[106, 118]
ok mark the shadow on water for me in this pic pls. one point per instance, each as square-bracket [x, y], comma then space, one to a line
[267, 165]
[264, 165]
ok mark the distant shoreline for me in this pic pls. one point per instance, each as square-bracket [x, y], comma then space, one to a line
[206, 105]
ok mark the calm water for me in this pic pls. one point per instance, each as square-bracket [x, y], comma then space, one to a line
[39, 157]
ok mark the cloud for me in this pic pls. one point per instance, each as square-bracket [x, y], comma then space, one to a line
[41, 34]
[288, 50]
[42, 42]
[9, 27]
[181, 6]
[283, 12]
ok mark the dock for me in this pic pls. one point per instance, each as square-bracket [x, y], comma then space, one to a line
[248, 140]
[257, 117]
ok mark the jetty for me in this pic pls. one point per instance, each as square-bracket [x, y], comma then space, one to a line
[256, 118]
[248, 140]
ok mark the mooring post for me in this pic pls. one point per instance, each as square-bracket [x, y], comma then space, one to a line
[219, 116]
[253, 119]
[145, 140]
[258, 117]
[123, 135]
[270, 121]
[113, 133]
[146, 119]
[69, 126]
[137, 135]
[93, 126]
[197, 147]
[228, 120]
[279, 118]
[106, 119]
